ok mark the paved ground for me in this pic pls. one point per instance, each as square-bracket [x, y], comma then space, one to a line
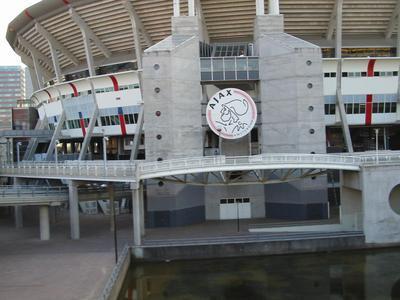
[60, 268]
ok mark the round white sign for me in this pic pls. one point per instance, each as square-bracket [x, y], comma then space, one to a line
[231, 113]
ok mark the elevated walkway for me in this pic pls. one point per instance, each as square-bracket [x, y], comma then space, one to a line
[32, 195]
[280, 167]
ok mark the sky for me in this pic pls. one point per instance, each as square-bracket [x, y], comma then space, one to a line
[8, 11]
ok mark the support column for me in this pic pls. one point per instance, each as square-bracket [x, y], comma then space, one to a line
[18, 215]
[74, 210]
[34, 79]
[260, 7]
[89, 55]
[274, 7]
[18, 210]
[338, 35]
[141, 209]
[342, 111]
[398, 34]
[56, 63]
[44, 223]
[137, 235]
[38, 71]
[191, 10]
[177, 10]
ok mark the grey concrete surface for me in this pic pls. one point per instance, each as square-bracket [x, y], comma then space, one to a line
[60, 268]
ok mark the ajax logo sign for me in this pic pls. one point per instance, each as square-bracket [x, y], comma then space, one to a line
[231, 113]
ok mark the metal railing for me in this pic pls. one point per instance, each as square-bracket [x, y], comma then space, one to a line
[126, 171]
[29, 190]
[114, 282]
[123, 171]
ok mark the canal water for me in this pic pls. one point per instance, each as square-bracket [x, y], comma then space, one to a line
[372, 274]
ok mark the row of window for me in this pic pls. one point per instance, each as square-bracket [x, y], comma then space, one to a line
[105, 121]
[99, 91]
[359, 108]
[233, 200]
[362, 74]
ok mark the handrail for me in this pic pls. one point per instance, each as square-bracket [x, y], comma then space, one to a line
[138, 170]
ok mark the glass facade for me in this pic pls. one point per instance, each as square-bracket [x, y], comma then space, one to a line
[229, 68]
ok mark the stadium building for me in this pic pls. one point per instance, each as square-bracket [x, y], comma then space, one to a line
[161, 80]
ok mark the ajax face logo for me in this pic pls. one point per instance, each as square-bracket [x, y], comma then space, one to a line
[231, 113]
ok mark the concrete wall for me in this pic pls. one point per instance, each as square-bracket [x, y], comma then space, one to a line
[292, 114]
[171, 86]
[381, 222]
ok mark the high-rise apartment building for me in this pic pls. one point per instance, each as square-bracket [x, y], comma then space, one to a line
[12, 89]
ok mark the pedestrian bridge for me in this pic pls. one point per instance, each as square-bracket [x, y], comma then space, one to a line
[264, 168]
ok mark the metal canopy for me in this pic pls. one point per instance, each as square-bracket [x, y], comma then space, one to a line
[110, 22]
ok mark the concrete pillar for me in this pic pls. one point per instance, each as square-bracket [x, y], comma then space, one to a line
[18, 210]
[44, 223]
[177, 10]
[137, 236]
[18, 215]
[141, 209]
[398, 35]
[56, 63]
[260, 7]
[35, 82]
[74, 210]
[89, 55]
[273, 7]
[38, 70]
[339, 14]
[191, 11]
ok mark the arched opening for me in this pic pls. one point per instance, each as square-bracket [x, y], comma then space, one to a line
[394, 199]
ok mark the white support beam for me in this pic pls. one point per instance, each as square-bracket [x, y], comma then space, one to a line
[34, 51]
[53, 42]
[136, 21]
[338, 34]
[260, 7]
[89, 55]
[34, 62]
[393, 21]
[177, 9]
[191, 10]
[204, 28]
[88, 32]
[332, 22]
[56, 63]
[398, 36]
[273, 6]
[135, 32]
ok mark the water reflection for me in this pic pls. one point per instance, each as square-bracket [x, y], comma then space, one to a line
[346, 275]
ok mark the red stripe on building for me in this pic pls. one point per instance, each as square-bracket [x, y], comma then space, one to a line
[26, 12]
[115, 82]
[368, 104]
[122, 123]
[74, 89]
[371, 66]
[82, 122]
[66, 2]
[368, 110]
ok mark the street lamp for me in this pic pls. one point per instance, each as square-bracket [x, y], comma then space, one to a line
[56, 152]
[219, 141]
[376, 144]
[18, 158]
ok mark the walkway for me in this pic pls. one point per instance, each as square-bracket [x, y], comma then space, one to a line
[59, 269]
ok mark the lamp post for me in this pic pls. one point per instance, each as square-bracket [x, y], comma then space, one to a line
[219, 141]
[56, 152]
[18, 157]
[376, 144]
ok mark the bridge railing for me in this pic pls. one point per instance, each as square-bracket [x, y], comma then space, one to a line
[276, 159]
[72, 169]
[28, 190]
